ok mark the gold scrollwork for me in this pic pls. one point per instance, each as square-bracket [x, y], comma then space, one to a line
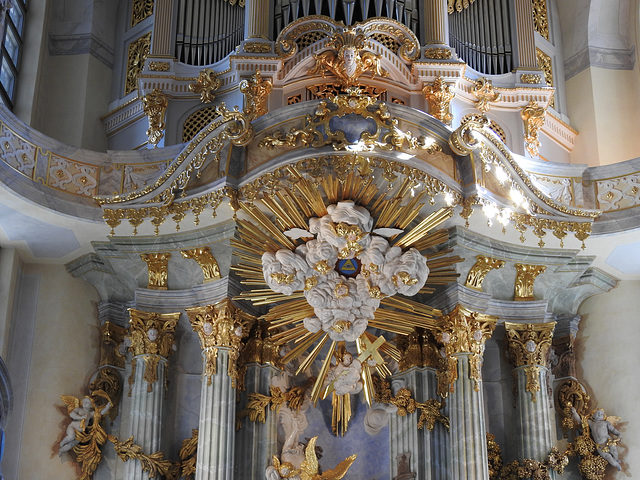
[256, 407]
[205, 85]
[439, 96]
[256, 93]
[485, 93]
[525, 276]
[540, 20]
[206, 260]
[140, 10]
[137, 54]
[533, 119]
[155, 463]
[257, 47]
[437, 53]
[158, 267]
[108, 381]
[317, 128]
[188, 456]
[219, 326]
[479, 270]
[530, 78]
[464, 331]
[152, 337]
[155, 106]
[159, 66]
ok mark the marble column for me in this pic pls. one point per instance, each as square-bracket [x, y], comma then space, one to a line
[260, 357]
[528, 345]
[463, 334]
[152, 342]
[219, 328]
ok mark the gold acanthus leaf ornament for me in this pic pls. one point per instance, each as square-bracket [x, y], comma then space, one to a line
[154, 464]
[206, 260]
[479, 270]
[309, 469]
[205, 85]
[439, 96]
[256, 93]
[155, 106]
[525, 277]
[485, 93]
[349, 61]
[533, 119]
[158, 269]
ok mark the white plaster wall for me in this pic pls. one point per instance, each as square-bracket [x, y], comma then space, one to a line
[608, 360]
[61, 356]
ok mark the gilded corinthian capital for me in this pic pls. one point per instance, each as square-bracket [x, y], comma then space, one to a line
[528, 345]
[463, 331]
[152, 336]
[219, 326]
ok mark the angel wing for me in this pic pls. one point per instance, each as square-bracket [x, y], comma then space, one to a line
[613, 420]
[71, 402]
[340, 471]
[309, 467]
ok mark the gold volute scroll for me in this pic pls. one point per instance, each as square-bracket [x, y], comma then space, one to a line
[525, 276]
[439, 96]
[206, 260]
[206, 84]
[155, 106]
[158, 266]
[483, 265]
[256, 93]
[485, 93]
[465, 332]
[528, 347]
[152, 337]
[219, 326]
[533, 119]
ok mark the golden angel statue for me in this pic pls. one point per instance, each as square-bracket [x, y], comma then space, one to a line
[309, 468]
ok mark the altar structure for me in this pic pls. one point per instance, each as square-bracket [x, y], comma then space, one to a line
[254, 239]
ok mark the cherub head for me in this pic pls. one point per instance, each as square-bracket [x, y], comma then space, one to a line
[152, 334]
[349, 56]
[86, 403]
[598, 414]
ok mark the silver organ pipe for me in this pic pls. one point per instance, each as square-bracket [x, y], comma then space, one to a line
[481, 35]
[207, 30]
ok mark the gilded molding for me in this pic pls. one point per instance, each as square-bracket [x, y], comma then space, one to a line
[158, 269]
[152, 338]
[485, 93]
[140, 10]
[531, 78]
[137, 54]
[219, 326]
[533, 119]
[439, 96]
[256, 93]
[465, 332]
[257, 47]
[525, 276]
[437, 53]
[479, 270]
[155, 106]
[207, 83]
[206, 260]
[159, 66]
[528, 347]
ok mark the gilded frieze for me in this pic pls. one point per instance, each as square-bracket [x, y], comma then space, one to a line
[137, 54]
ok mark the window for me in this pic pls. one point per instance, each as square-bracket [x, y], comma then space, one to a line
[11, 45]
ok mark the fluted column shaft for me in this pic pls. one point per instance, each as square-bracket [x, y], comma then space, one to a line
[463, 334]
[534, 419]
[257, 15]
[219, 330]
[436, 23]
[526, 35]
[162, 44]
[152, 341]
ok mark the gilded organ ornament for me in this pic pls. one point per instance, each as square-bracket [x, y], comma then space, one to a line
[528, 347]
[151, 336]
[137, 54]
[206, 260]
[479, 270]
[155, 106]
[439, 96]
[140, 10]
[158, 269]
[256, 93]
[348, 61]
[485, 93]
[525, 276]
[205, 85]
[533, 119]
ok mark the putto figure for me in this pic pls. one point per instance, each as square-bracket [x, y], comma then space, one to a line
[601, 430]
[83, 416]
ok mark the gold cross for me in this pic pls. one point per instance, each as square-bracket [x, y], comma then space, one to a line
[371, 349]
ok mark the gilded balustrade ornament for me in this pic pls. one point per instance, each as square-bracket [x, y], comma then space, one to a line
[206, 260]
[533, 119]
[207, 83]
[348, 61]
[152, 337]
[525, 276]
[465, 332]
[485, 93]
[219, 326]
[439, 96]
[256, 93]
[479, 270]
[155, 106]
[528, 347]
[158, 269]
